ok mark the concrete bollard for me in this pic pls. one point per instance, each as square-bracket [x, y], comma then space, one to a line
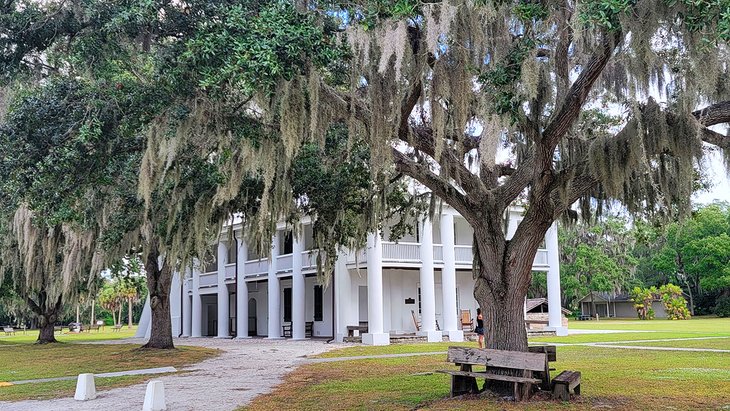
[85, 387]
[154, 398]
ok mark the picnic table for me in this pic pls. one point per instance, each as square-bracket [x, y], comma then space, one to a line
[9, 330]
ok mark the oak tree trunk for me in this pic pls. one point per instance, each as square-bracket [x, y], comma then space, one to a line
[159, 281]
[47, 314]
[129, 313]
[503, 279]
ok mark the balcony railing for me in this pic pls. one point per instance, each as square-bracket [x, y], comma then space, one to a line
[284, 262]
[402, 252]
[208, 279]
[463, 254]
[393, 253]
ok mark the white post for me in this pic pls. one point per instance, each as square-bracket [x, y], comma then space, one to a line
[428, 291]
[197, 309]
[448, 279]
[242, 291]
[154, 397]
[375, 334]
[297, 300]
[187, 309]
[222, 291]
[85, 387]
[274, 291]
[553, 282]
[342, 290]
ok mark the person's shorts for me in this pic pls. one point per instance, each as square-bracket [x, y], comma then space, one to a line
[479, 330]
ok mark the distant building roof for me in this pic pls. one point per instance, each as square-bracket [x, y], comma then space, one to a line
[533, 303]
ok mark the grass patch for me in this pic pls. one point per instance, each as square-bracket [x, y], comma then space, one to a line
[612, 378]
[716, 344]
[32, 361]
[619, 379]
[32, 335]
[56, 389]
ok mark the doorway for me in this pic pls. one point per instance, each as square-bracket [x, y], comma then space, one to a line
[252, 332]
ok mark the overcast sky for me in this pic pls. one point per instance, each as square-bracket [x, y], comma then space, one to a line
[718, 176]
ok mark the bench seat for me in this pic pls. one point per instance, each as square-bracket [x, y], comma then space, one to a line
[490, 376]
[564, 383]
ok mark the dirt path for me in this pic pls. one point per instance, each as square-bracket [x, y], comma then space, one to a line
[245, 369]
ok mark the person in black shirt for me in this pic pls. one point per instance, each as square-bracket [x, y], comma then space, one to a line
[480, 328]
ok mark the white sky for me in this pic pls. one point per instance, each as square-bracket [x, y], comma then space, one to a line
[718, 176]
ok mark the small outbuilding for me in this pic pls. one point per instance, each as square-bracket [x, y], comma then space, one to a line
[536, 313]
[614, 306]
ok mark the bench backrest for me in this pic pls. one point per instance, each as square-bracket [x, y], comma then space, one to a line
[8, 329]
[547, 349]
[497, 358]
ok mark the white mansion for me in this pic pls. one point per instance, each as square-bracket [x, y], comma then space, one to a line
[421, 284]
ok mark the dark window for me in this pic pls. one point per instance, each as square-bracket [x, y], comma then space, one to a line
[287, 244]
[318, 302]
[287, 305]
[419, 300]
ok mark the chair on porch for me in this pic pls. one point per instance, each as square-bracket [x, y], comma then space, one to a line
[467, 323]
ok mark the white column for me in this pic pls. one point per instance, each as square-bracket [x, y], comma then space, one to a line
[428, 292]
[375, 334]
[448, 279]
[343, 299]
[553, 282]
[274, 293]
[222, 291]
[297, 279]
[197, 308]
[186, 306]
[242, 291]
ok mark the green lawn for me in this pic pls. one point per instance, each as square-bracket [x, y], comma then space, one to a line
[32, 335]
[21, 359]
[612, 378]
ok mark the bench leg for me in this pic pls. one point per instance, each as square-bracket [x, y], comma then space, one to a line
[561, 392]
[461, 384]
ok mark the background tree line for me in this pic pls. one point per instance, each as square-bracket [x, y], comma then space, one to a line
[616, 254]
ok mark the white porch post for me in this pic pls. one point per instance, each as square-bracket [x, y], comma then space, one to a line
[342, 289]
[242, 291]
[186, 306]
[553, 282]
[428, 293]
[448, 279]
[274, 291]
[375, 334]
[197, 306]
[297, 279]
[222, 291]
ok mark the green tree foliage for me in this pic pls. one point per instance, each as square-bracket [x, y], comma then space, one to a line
[696, 253]
[642, 298]
[674, 303]
[224, 94]
[595, 258]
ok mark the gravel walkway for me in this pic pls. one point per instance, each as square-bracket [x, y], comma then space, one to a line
[245, 369]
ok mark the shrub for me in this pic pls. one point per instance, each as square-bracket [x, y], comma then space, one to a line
[674, 303]
[722, 309]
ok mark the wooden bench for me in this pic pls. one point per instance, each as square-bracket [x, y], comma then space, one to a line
[93, 327]
[361, 329]
[9, 330]
[57, 328]
[522, 363]
[117, 327]
[564, 383]
[552, 356]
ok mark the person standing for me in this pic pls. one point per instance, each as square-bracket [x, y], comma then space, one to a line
[480, 328]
